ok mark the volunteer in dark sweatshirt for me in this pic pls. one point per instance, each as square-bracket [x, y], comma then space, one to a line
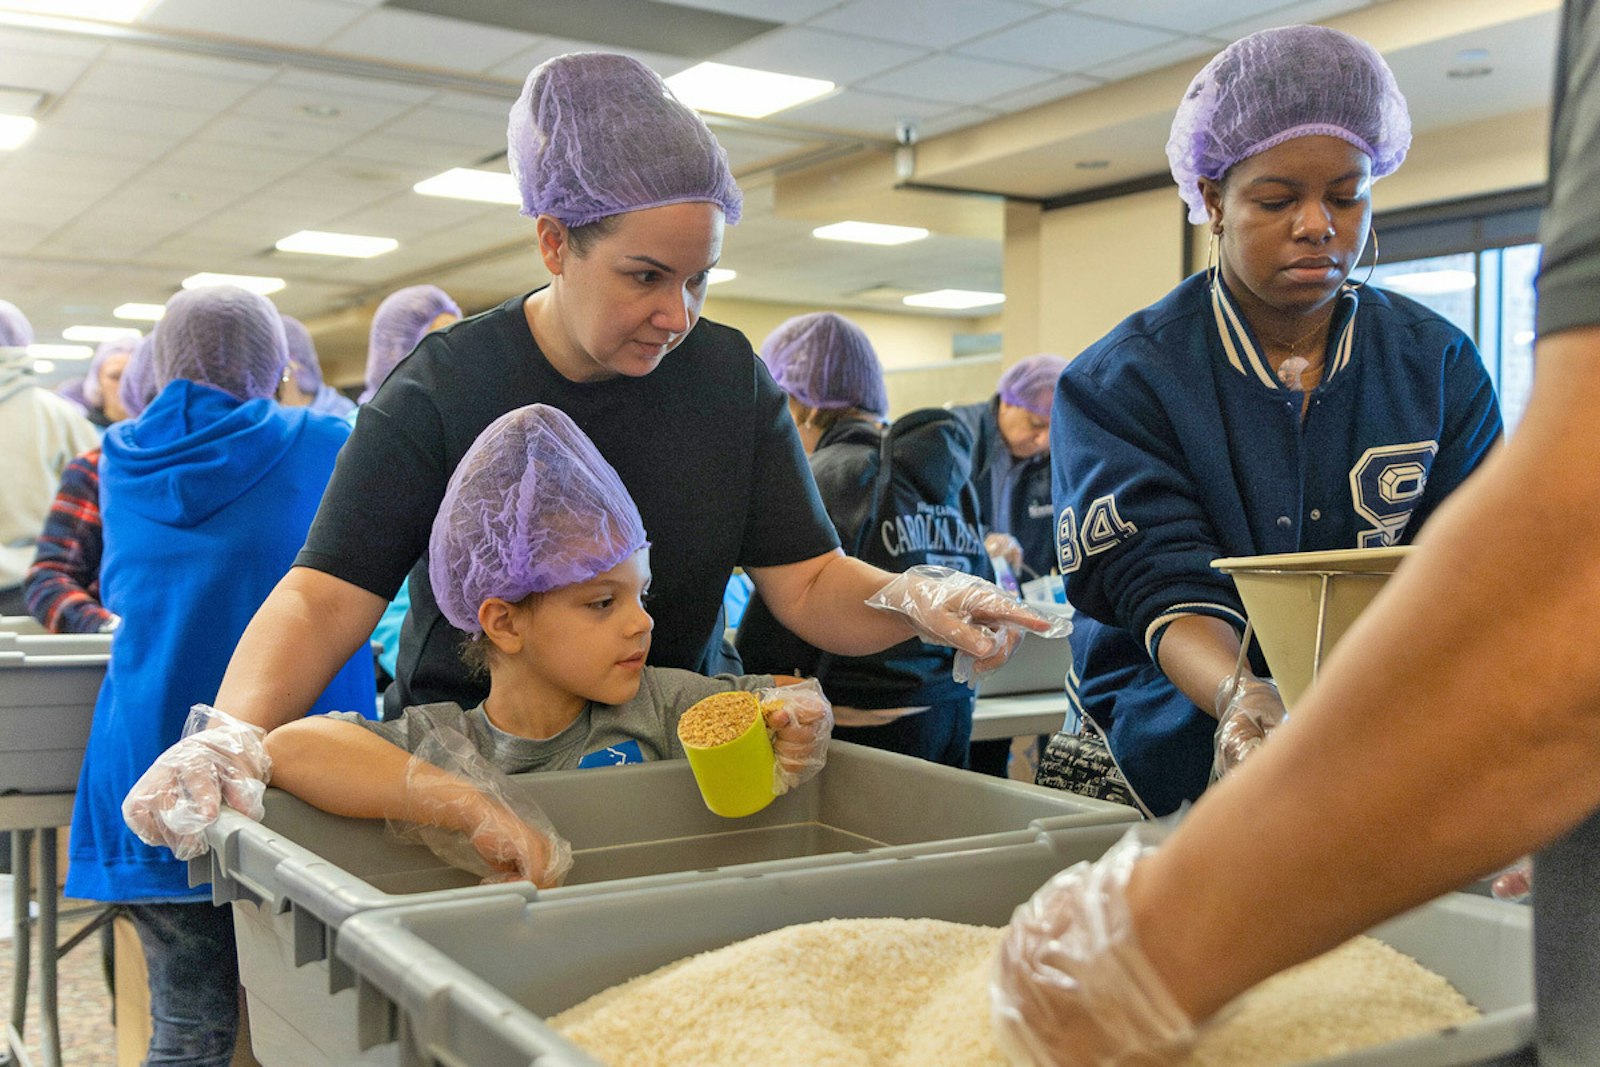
[205, 500]
[920, 509]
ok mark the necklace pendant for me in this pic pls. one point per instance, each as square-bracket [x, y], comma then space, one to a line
[1291, 372]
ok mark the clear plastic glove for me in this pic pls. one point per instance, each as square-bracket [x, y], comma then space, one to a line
[1515, 883]
[110, 625]
[981, 621]
[800, 722]
[1071, 986]
[220, 760]
[1006, 547]
[1246, 714]
[472, 815]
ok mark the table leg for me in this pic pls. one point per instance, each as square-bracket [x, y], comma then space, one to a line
[49, 1024]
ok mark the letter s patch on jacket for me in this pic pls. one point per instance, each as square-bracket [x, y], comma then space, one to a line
[1385, 485]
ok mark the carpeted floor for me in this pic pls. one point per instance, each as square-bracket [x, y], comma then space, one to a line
[83, 1000]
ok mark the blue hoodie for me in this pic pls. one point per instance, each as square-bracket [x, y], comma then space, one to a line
[206, 500]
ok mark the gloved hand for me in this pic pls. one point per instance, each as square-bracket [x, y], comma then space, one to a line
[110, 625]
[1004, 546]
[1071, 986]
[1246, 714]
[976, 617]
[474, 816]
[220, 760]
[1515, 883]
[800, 721]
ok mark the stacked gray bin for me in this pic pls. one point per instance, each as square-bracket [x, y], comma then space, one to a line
[46, 704]
[299, 876]
[470, 982]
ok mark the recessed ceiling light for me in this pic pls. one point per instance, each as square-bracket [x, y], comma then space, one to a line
[182, 196]
[140, 312]
[870, 233]
[718, 275]
[320, 111]
[321, 243]
[15, 129]
[253, 282]
[98, 334]
[43, 366]
[104, 10]
[1092, 164]
[953, 299]
[1471, 71]
[1431, 282]
[464, 183]
[60, 352]
[741, 91]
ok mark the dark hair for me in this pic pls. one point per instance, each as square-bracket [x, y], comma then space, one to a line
[478, 652]
[582, 238]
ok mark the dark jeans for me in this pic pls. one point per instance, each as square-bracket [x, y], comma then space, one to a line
[939, 734]
[194, 982]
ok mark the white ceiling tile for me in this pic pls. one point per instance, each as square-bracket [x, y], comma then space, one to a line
[143, 55]
[1065, 41]
[339, 86]
[839, 57]
[47, 72]
[482, 105]
[103, 113]
[127, 149]
[421, 157]
[861, 112]
[485, 132]
[292, 138]
[428, 40]
[1185, 16]
[289, 104]
[160, 86]
[927, 23]
[18, 238]
[217, 157]
[518, 67]
[748, 149]
[407, 216]
[957, 79]
[97, 243]
[1196, 50]
[1286, 15]
[1055, 89]
[956, 120]
[773, 10]
[302, 22]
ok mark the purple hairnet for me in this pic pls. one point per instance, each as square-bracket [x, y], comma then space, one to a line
[1276, 85]
[92, 392]
[532, 507]
[303, 362]
[596, 134]
[222, 336]
[1031, 383]
[138, 386]
[72, 389]
[400, 322]
[825, 361]
[15, 329]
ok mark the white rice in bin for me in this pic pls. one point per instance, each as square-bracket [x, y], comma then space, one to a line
[904, 992]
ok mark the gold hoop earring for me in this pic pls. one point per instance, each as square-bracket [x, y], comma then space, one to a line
[1372, 233]
[1213, 255]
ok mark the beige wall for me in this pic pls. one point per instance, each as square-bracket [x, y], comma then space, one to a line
[901, 340]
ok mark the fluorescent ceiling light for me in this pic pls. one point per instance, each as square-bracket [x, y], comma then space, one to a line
[252, 282]
[953, 299]
[464, 183]
[140, 312]
[717, 275]
[1431, 282]
[60, 351]
[104, 10]
[750, 94]
[43, 366]
[98, 334]
[351, 245]
[15, 129]
[870, 233]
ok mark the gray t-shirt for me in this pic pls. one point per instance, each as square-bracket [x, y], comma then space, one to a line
[603, 735]
[1569, 275]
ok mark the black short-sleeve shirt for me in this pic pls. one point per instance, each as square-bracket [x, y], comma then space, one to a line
[704, 443]
[1569, 276]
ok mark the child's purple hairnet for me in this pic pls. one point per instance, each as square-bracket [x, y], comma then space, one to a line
[138, 385]
[303, 362]
[402, 320]
[15, 329]
[1276, 85]
[91, 381]
[532, 507]
[824, 360]
[221, 336]
[1031, 383]
[595, 134]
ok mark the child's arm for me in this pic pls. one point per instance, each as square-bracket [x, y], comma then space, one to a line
[346, 769]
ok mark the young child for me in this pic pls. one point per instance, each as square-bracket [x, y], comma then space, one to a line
[539, 553]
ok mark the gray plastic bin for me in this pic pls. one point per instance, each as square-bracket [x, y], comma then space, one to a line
[298, 876]
[20, 624]
[46, 705]
[55, 644]
[468, 983]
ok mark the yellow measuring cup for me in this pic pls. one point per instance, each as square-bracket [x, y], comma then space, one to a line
[725, 738]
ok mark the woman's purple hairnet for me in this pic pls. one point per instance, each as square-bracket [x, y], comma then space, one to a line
[1276, 85]
[1031, 383]
[138, 385]
[402, 320]
[92, 392]
[221, 336]
[531, 507]
[825, 361]
[15, 329]
[595, 134]
[303, 362]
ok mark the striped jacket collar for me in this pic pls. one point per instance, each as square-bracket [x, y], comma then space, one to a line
[1246, 357]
